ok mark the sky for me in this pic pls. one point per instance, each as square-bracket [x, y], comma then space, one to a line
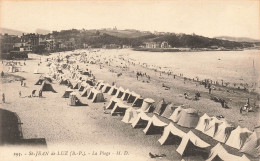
[239, 18]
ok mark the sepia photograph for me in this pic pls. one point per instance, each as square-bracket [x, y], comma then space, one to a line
[128, 80]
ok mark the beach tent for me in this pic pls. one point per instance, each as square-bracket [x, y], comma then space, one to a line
[130, 115]
[252, 144]
[113, 90]
[203, 122]
[191, 144]
[82, 86]
[218, 152]
[126, 95]
[223, 131]
[188, 118]
[64, 82]
[96, 96]
[238, 137]
[100, 86]
[154, 126]
[106, 88]
[46, 86]
[212, 127]
[119, 92]
[141, 120]
[160, 107]
[119, 108]
[132, 97]
[112, 102]
[147, 103]
[171, 135]
[168, 110]
[86, 91]
[138, 102]
[98, 82]
[74, 101]
[67, 93]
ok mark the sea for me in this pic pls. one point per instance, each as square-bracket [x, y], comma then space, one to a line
[233, 67]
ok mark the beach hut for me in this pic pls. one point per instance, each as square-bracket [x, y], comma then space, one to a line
[154, 126]
[130, 115]
[171, 135]
[238, 137]
[67, 93]
[223, 132]
[82, 86]
[218, 152]
[96, 96]
[188, 118]
[132, 97]
[168, 110]
[119, 108]
[160, 107]
[147, 104]
[191, 144]
[99, 82]
[46, 86]
[203, 122]
[113, 90]
[141, 120]
[252, 144]
[100, 86]
[126, 95]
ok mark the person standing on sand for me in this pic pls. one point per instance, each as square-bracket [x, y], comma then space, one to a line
[20, 94]
[3, 98]
[2, 74]
[21, 82]
[209, 90]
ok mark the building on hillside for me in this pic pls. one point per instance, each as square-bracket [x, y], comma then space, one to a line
[7, 42]
[164, 44]
[22, 46]
[32, 39]
[152, 45]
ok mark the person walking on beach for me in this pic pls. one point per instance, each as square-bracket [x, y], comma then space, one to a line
[2, 74]
[209, 90]
[20, 94]
[3, 98]
[21, 82]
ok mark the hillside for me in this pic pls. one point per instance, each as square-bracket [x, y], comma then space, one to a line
[237, 39]
[11, 31]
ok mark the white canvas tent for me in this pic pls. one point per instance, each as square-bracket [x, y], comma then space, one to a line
[86, 91]
[138, 102]
[126, 95]
[188, 118]
[238, 137]
[212, 127]
[130, 115]
[106, 88]
[132, 97]
[219, 153]
[154, 126]
[119, 108]
[160, 107]
[168, 110]
[112, 103]
[67, 93]
[96, 96]
[203, 122]
[171, 135]
[176, 114]
[113, 90]
[190, 141]
[119, 92]
[252, 144]
[223, 132]
[147, 103]
[141, 120]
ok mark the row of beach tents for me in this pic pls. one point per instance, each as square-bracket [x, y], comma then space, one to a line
[164, 118]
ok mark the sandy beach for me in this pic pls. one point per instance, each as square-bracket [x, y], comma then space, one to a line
[90, 129]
